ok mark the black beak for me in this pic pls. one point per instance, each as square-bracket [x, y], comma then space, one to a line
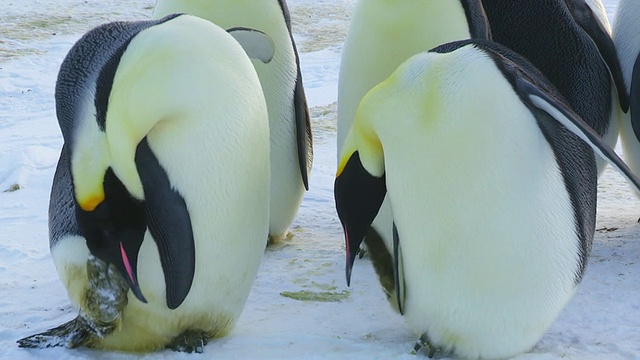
[351, 256]
[115, 230]
[358, 196]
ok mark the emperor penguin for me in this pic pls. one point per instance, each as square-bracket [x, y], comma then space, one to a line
[382, 34]
[626, 37]
[570, 42]
[164, 175]
[281, 78]
[492, 181]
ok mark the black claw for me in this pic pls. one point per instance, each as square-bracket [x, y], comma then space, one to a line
[362, 251]
[417, 346]
[190, 341]
[199, 346]
[424, 342]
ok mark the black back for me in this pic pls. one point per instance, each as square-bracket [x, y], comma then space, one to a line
[546, 33]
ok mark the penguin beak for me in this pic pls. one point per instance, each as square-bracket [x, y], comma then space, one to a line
[131, 277]
[113, 224]
[358, 196]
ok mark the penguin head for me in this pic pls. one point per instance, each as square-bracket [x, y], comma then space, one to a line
[359, 187]
[114, 230]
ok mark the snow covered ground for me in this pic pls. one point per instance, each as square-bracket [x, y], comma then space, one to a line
[601, 322]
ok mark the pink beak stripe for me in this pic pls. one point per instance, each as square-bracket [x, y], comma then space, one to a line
[346, 237]
[127, 264]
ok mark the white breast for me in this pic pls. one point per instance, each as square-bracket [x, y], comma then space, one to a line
[486, 225]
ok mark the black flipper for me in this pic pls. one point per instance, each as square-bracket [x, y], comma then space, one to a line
[634, 98]
[169, 222]
[587, 20]
[304, 136]
[541, 101]
[398, 270]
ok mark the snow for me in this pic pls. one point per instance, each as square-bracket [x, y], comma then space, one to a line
[602, 321]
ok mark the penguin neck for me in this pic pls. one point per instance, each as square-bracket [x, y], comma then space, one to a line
[143, 104]
[385, 33]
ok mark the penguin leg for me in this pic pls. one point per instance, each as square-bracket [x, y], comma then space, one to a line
[423, 342]
[190, 341]
[72, 334]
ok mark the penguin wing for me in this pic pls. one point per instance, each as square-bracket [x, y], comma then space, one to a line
[169, 222]
[543, 101]
[589, 22]
[398, 270]
[255, 43]
[304, 137]
[634, 98]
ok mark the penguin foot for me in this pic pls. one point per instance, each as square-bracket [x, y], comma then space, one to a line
[190, 341]
[423, 342]
[278, 240]
[72, 334]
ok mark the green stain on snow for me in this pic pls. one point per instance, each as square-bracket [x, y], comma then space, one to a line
[323, 296]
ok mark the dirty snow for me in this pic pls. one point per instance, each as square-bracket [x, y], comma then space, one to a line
[602, 321]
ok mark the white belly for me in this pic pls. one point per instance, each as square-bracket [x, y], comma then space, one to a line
[487, 232]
